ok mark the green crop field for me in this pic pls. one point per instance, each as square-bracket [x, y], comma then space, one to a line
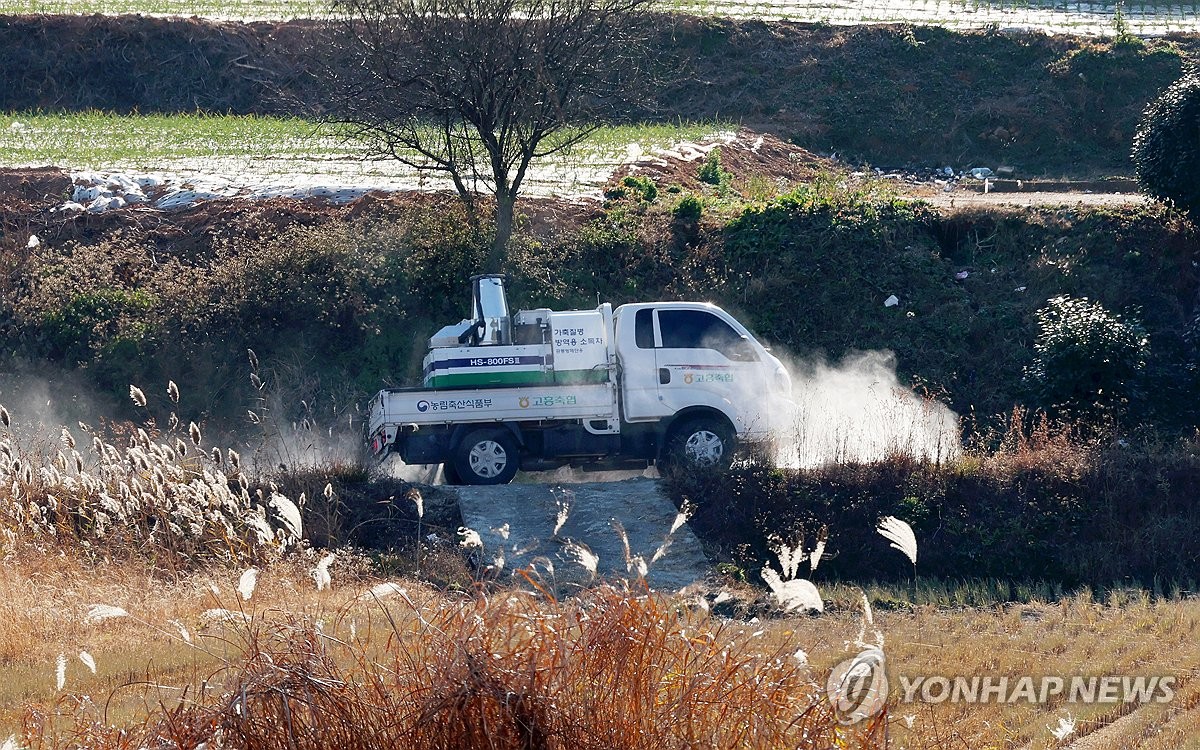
[233, 10]
[97, 140]
[274, 149]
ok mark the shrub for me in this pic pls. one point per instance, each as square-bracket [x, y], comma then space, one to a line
[1125, 38]
[1166, 147]
[688, 208]
[643, 187]
[1042, 505]
[711, 171]
[1085, 357]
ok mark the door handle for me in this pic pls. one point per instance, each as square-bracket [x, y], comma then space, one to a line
[664, 376]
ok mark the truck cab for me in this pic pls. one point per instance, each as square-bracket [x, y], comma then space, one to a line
[682, 358]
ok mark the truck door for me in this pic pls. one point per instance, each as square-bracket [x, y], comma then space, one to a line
[702, 359]
[639, 370]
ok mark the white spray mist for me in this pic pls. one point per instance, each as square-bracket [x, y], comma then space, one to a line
[856, 411]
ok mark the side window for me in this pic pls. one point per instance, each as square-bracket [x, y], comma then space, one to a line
[696, 329]
[643, 329]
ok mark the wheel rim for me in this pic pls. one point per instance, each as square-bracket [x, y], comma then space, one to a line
[488, 458]
[704, 447]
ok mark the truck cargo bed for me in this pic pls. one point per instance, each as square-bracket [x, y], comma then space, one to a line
[424, 406]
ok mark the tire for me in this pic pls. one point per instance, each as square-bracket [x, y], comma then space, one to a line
[703, 443]
[487, 457]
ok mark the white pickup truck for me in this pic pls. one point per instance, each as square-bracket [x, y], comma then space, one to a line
[649, 382]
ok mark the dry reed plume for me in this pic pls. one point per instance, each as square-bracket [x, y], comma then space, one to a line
[157, 494]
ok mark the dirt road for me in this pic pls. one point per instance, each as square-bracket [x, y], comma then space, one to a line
[967, 199]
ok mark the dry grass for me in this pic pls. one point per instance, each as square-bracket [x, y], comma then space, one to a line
[1074, 637]
[47, 597]
[408, 666]
[511, 668]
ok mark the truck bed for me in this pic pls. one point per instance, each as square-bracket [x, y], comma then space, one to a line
[425, 406]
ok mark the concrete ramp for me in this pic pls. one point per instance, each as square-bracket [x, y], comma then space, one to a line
[518, 521]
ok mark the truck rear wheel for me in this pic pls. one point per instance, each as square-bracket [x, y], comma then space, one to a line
[700, 443]
[487, 457]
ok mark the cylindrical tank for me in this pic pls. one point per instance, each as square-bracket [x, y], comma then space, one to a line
[490, 305]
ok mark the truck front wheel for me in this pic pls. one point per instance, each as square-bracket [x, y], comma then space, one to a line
[701, 443]
[487, 457]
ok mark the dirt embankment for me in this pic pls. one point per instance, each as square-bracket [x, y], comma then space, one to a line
[884, 95]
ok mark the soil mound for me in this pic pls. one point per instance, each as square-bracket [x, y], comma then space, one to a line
[741, 153]
[37, 184]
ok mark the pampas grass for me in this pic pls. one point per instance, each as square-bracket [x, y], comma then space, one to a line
[564, 510]
[100, 612]
[60, 673]
[218, 615]
[901, 536]
[789, 558]
[384, 590]
[795, 595]
[587, 559]
[791, 593]
[147, 497]
[469, 538]
[818, 551]
[246, 583]
[184, 634]
[1065, 728]
[293, 527]
[320, 574]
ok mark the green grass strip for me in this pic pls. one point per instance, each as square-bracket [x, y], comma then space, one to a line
[224, 9]
[102, 141]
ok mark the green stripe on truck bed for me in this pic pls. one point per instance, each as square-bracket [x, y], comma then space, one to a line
[469, 379]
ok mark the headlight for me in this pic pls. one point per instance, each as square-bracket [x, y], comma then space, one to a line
[783, 381]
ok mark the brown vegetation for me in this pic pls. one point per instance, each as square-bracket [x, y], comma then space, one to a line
[1038, 512]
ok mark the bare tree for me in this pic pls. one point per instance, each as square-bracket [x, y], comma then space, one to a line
[478, 89]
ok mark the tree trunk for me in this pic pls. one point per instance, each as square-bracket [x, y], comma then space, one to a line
[504, 223]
